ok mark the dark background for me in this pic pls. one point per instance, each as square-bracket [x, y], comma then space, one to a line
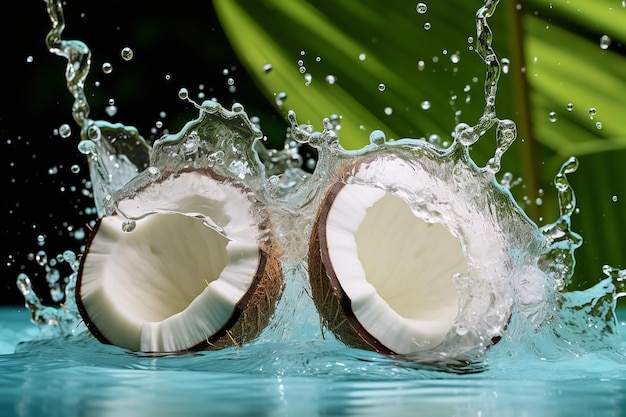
[42, 196]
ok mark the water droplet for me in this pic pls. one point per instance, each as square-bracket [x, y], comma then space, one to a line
[318, 59]
[362, 57]
[614, 198]
[505, 65]
[470, 39]
[388, 111]
[425, 105]
[127, 53]
[455, 58]
[598, 125]
[592, 112]
[377, 137]
[183, 93]
[330, 79]
[421, 8]
[381, 87]
[267, 68]
[65, 131]
[93, 132]
[465, 134]
[552, 116]
[570, 107]
[427, 26]
[110, 110]
[128, 225]
[605, 41]
[86, 147]
[107, 68]
[41, 258]
[29, 59]
[280, 98]
[420, 65]
[237, 108]
[75, 169]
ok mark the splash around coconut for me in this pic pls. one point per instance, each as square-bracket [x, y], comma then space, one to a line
[412, 249]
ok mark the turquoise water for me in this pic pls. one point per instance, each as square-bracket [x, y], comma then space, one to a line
[78, 376]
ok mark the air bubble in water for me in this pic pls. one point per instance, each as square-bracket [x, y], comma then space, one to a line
[552, 116]
[65, 130]
[381, 87]
[127, 53]
[605, 41]
[107, 68]
[421, 8]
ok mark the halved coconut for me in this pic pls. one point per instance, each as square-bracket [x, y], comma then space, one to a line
[200, 269]
[404, 262]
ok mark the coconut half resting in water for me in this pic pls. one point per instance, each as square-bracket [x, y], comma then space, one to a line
[405, 262]
[198, 270]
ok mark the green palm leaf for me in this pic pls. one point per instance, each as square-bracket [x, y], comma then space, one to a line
[433, 80]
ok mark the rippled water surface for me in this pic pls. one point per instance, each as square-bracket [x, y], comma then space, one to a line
[304, 376]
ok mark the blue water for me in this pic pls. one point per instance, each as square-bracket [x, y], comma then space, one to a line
[78, 376]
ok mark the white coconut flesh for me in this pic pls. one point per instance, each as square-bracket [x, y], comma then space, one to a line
[173, 282]
[395, 268]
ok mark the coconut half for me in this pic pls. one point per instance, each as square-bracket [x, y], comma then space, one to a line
[200, 269]
[403, 263]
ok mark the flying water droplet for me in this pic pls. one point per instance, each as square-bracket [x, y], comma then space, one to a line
[421, 8]
[107, 68]
[127, 53]
[605, 42]
[592, 112]
[65, 131]
[552, 116]
[505, 65]
[425, 105]
[267, 68]
[183, 93]
[570, 107]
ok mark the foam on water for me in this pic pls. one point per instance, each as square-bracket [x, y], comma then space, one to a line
[547, 319]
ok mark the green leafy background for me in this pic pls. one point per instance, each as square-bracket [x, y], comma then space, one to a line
[555, 59]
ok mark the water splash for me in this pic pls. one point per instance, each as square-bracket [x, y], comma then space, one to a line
[121, 161]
